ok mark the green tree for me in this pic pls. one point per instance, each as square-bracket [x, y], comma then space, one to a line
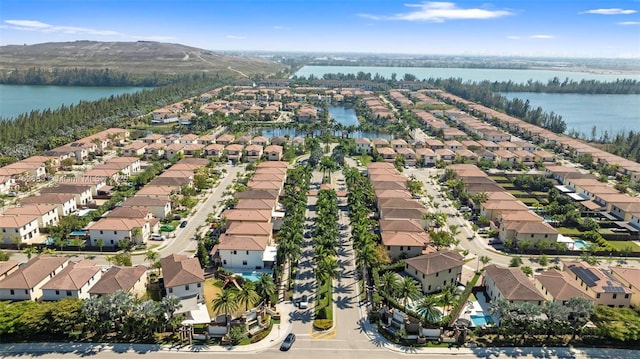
[428, 309]
[100, 243]
[225, 302]
[248, 294]
[265, 286]
[408, 289]
[29, 251]
[515, 262]
[151, 256]
[543, 260]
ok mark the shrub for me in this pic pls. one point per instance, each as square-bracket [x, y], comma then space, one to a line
[323, 324]
[322, 313]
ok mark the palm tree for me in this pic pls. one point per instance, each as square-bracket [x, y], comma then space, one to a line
[484, 260]
[248, 294]
[29, 251]
[100, 243]
[265, 286]
[389, 283]
[151, 256]
[327, 268]
[408, 289]
[225, 302]
[428, 308]
[448, 296]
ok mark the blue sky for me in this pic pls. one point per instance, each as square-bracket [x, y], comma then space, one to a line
[576, 28]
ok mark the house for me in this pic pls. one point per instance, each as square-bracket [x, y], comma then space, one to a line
[215, 150]
[256, 204]
[426, 157]
[243, 252]
[557, 286]
[66, 203]
[173, 150]
[128, 279]
[380, 142]
[390, 225]
[406, 244]
[234, 152]
[47, 214]
[453, 145]
[154, 149]
[152, 138]
[630, 278]
[435, 271]
[445, 154]
[8, 267]
[273, 153]
[74, 281]
[246, 215]
[544, 156]
[492, 209]
[506, 156]
[113, 230]
[225, 139]
[511, 284]
[253, 152]
[363, 145]
[260, 141]
[189, 139]
[387, 154]
[603, 286]
[19, 229]
[182, 277]
[160, 207]
[250, 229]
[26, 283]
[82, 193]
[134, 149]
[398, 143]
[408, 154]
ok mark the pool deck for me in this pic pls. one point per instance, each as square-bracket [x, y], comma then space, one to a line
[476, 307]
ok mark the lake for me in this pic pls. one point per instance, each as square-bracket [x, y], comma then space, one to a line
[343, 115]
[18, 99]
[611, 113]
[464, 73]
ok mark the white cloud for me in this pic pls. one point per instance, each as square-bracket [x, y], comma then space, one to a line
[611, 11]
[541, 37]
[629, 23]
[440, 12]
[513, 37]
[236, 37]
[34, 25]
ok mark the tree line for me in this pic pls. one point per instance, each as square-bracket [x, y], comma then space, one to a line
[41, 130]
[617, 87]
[87, 77]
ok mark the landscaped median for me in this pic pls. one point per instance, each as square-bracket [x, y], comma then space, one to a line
[324, 307]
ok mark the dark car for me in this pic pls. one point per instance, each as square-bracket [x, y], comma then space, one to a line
[183, 224]
[288, 342]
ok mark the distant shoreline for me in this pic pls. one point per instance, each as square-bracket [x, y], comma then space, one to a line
[588, 70]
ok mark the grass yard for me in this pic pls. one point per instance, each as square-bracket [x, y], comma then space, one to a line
[518, 193]
[507, 186]
[620, 245]
[500, 179]
[566, 231]
[528, 201]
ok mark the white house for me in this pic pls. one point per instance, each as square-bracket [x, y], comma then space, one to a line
[23, 228]
[65, 202]
[47, 213]
[183, 277]
[82, 193]
[74, 281]
[241, 252]
[113, 230]
[26, 283]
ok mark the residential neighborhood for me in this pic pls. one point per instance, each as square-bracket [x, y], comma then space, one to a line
[233, 207]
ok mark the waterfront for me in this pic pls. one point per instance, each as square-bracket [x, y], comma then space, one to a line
[611, 113]
[466, 74]
[18, 99]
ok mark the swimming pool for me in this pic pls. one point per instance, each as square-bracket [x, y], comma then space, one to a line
[252, 276]
[580, 244]
[481, 320]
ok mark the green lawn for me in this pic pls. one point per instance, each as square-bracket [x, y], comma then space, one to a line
[500, 179]
[566, 231]
[620, 245]
[518, 193]
[507, 186]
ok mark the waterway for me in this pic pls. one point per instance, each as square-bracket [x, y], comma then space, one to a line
[423, 73]
[18, 99]
[343, 115]
[610, 113]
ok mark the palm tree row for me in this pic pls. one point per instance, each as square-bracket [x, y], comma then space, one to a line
[290, 237]
[326, 236]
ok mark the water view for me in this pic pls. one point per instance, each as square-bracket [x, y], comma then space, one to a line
[464, 73]
[18, 99]
[343, 115]
[611, 113]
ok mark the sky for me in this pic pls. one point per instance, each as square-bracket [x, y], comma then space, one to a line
[550, 28]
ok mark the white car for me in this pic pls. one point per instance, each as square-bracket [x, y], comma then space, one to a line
[304, 302]
[158, 237]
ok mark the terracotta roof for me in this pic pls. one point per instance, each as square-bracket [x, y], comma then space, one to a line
[257, 194]
[35, 209]
[407, 213]
[250, 228]
[6, 266]
[436, 262]
[74, 276]
[16, 221]
[399, 203]
[241, 243]
[413, 239]
[49, 198]
[33, 272]
[393, 194]
[400, 225]
[177, 269]
[247, 215]
[255, 204]
[560, 285]
[629, 275]
[117, 224]
[513, 283]
[273, 164]
[118, 278]
[535, 228]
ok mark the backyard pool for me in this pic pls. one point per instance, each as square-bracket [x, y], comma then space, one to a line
[252, 276]
[580, 244]
[481, 320]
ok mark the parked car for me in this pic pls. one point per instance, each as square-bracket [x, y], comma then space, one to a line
[183, 224]
[166, 228]
[288, 342]
[304, 302]
[158, 237]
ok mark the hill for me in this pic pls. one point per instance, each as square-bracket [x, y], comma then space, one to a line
[142, 57]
